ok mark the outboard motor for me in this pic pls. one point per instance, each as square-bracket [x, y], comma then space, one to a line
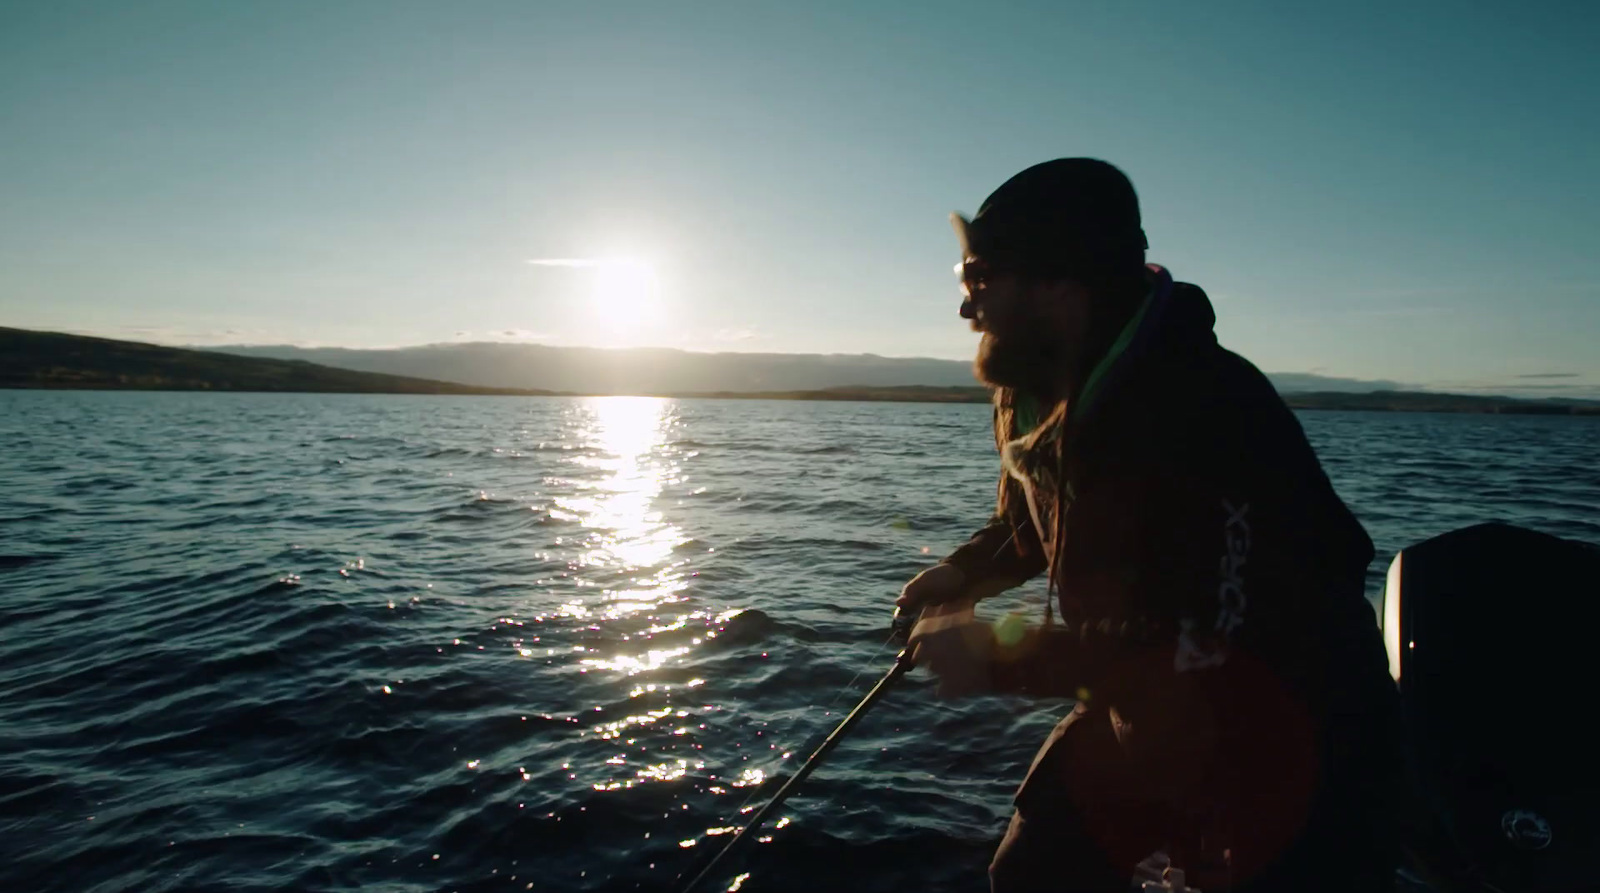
[1493, 634]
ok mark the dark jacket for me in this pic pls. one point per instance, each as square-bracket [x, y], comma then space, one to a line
[1189, 530]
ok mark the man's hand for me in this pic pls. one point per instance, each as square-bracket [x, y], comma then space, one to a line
[946, 582]
[934, 586]
[955, 647]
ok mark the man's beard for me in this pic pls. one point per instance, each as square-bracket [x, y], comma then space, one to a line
[1025, 359]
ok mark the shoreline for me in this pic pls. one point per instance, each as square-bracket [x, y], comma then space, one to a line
[56, 361]
[1374, 401]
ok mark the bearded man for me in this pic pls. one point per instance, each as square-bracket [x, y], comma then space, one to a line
[1233, 702]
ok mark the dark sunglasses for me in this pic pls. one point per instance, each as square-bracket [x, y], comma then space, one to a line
[975, 274]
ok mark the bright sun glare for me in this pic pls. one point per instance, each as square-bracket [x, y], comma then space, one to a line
[625, 288]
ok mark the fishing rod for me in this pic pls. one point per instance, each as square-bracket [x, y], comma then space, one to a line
[902, 623]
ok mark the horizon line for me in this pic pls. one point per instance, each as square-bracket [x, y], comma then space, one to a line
[1518, 382]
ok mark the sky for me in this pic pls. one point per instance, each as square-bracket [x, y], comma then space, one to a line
[1379, 191]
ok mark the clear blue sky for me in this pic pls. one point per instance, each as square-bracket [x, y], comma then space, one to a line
[1399, 191]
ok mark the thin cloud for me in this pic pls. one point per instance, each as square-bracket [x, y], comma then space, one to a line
[1550, 375]
[567, 261]
[182, 336]
[1509, 387]
[504, 335]
[633, 262]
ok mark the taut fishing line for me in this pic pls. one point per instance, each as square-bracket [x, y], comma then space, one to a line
[759, 787]
[756, 790]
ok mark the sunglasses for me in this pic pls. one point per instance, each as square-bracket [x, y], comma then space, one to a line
[975, 274]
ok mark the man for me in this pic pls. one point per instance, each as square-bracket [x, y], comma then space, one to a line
[1233, 702]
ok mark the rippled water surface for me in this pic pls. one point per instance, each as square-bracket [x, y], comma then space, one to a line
[305, 642]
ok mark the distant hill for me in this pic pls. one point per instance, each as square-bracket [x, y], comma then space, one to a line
[631, 371]
[654, 370]
[1423, 401]
[902, 394]
[1372, 401]
[53, 360]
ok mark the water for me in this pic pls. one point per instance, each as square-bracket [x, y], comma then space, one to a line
[305, 642]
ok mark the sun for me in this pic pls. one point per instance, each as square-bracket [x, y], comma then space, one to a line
[626, 289]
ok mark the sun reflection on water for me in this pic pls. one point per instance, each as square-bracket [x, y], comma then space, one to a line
[629, 545]
[626, 533]
[634, 620]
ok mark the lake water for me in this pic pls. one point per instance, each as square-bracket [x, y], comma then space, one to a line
[311, 642]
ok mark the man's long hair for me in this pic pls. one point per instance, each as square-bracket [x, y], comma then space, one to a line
[1118, 298]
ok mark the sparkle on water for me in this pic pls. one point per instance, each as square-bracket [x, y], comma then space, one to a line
[503, 631]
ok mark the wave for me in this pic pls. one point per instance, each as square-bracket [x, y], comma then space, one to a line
[203, 664]
[17, 562]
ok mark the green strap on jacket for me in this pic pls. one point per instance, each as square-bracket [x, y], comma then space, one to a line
[1091, 386]
[1026, 407]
